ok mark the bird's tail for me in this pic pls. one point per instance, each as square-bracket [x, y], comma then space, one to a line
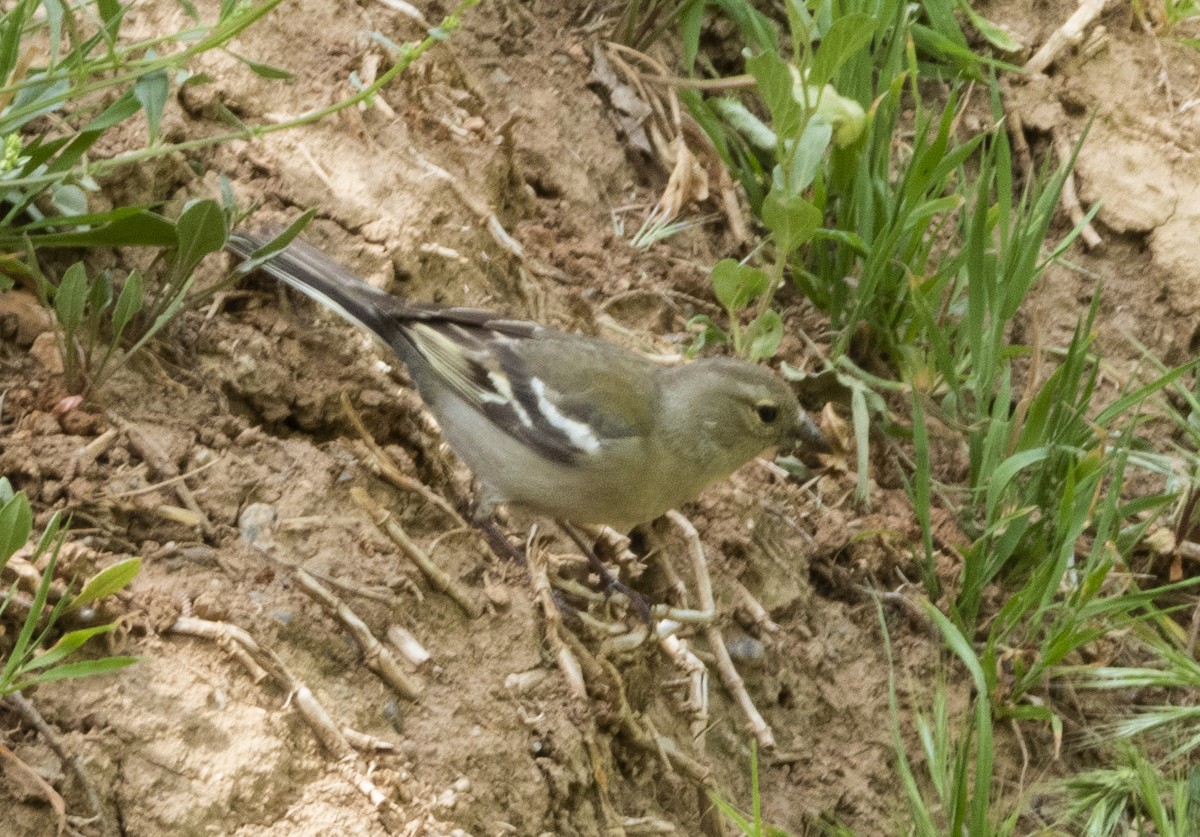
[316, 275]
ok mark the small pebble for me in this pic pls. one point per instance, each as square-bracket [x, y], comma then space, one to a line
[524, 682]
[747, 650]
[447, 800]
[255, 524]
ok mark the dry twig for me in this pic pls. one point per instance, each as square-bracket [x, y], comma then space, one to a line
[1069, 34]
[307, 706]
[386, 467]
[157, 459]
[729, 676]
[435, 575]
[376, 655]
[52, 796]
[1070, 199]
[73, 763]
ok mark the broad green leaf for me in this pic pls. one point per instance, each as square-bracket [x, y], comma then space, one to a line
[54, 21]
[128, 303]
[775, 80]
[100, 294]
[71, 297]
[791, 219]
[737, 285]
[144, 229]
[151, 91]
[110, 9]
[69, 199]
[805, 158]
[845, 37]
[106, 582]
[115, 114]
[201, 230]
[16, 522]
[37, 98]
[764, 335]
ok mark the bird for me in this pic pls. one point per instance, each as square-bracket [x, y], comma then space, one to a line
[571, 427]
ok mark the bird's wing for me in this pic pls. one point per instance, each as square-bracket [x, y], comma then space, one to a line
[561, 395]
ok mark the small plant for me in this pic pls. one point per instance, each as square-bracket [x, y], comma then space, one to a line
[1133, 796]
[68, 76]
[26, 659]
[750, 824]
[738, 287]
[91, 326]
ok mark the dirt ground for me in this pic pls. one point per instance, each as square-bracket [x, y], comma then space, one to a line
[246, 397]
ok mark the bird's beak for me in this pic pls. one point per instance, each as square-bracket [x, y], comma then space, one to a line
[807, 436]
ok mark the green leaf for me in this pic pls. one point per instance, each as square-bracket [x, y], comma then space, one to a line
[764, 335]
[71, 297]
[128, 303]
[141, 229]
[67, 644]
[791, 219]
[775, 81]
[37, 97]
[1006, 471]
[113, 115]
[276, 245]
[845, 37]
[106, 582]
[99, 295]
[737, 285]
[69, 199]
[756, 28]
[151, 90]
[16, 522]
[805, 158]
[201, 230]
[263, 70]
[691, 16]
[707, 334]
[86, 668]
[110, 9]
[10, 37]
[995, 36]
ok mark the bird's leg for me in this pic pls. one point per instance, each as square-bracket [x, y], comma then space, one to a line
[611, 583]
[482, 513]
[500, 545]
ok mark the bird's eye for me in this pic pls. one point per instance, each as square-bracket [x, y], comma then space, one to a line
[767, 411]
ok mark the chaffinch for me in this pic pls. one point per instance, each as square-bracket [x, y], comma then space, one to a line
[567, 426]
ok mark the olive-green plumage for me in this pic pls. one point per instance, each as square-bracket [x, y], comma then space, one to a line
[567, 426]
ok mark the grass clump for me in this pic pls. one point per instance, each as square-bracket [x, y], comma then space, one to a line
[71, 77]
[922, 253]
[29, 657]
